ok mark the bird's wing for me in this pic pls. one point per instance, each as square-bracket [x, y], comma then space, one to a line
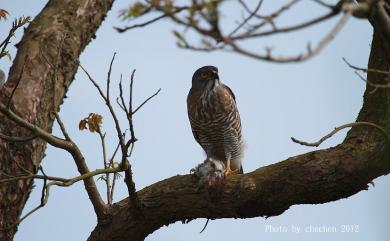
[226, 99]
[192, 100]
[230, 91]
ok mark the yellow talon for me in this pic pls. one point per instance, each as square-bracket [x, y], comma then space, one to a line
[229, 171]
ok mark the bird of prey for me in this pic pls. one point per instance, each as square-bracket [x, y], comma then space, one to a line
[214, 118]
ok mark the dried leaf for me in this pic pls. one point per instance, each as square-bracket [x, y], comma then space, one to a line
[3, 14]
[136, 10]
[91, 123]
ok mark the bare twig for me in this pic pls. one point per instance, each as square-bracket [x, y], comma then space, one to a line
[111, 109]
[246, 20]
[42, 203]
[324, 4]
[131, 126]
[153, 20]
[124, 164]
[32, 176]
[287, 29]
[112, 163]
[145, 101]
[366, 70]
[106, 165]
[373, 84]
[337, 129]
[378, 71]
[109, 77]
[64, 181]
[301, 57]
[269, 19]
[17, 23]
[62, 126]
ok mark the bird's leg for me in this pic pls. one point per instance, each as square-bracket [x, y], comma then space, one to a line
[228, 170]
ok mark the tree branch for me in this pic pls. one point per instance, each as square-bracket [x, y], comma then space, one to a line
[337, 129]
[312, 178]
[68, 145]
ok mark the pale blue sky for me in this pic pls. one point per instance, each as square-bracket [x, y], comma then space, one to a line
[304, 100]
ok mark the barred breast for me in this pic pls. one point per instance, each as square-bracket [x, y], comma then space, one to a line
[216, 124]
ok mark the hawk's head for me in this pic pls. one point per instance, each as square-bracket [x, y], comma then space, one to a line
[205, 77]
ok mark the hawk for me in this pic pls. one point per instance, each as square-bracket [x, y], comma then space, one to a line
[214, 118]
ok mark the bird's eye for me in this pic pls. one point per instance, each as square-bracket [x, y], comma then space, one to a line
[203, 75]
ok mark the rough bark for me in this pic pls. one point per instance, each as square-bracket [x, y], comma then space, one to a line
[48, 53]
[312, 178]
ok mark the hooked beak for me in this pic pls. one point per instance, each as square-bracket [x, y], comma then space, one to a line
[215, 74]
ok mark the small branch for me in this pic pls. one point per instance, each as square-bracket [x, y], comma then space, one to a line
[269, 19]
[33, 176]
[371, 71]
[337, 129]
[17, 23]
[43, 200]
[123, 29]
[299, 26]
[309, 53]
[65, 182]
[112, 112]
[109, 77]
[122, 104]
[53, 140]
[124, 165]
[164, 15]
[62, 126]
[112, 163]
[131, 126]
[145, 101]
[366, 70]
[246, 20]
[373, 84]
[324, 4]
[94, 83]
[106, 165]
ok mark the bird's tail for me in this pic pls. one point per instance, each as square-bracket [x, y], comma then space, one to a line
[241, 170]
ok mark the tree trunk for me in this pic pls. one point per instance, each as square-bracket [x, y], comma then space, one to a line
[312, 178]
[44, 67]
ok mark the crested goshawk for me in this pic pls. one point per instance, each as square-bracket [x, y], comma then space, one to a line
[215, 120]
